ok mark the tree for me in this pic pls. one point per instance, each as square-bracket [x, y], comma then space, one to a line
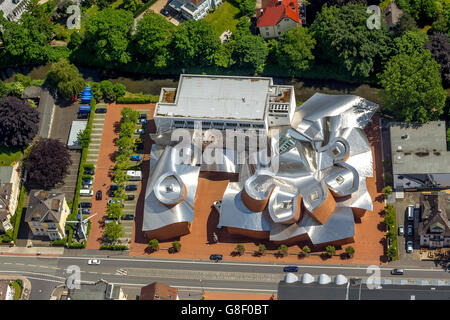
[387, 191]
[153, 245]
[84, 137]
[294, 50]
[250, 52]
[195, 43]
[114, 210]
[48, 163]
[283, 250]
[392, 252]
[107, 89]
[176, 246]
[306, 250]
[441, 25]
[343, 39]
[224, 56]
[3, 89]
[248, 8]
[410, 42]
[119, 89]
[330, 251]
[129, 115]
[405, 23]
[439, 45]
[240, 249]
[24, 80]
[113, 231]
[108, 35]
[66, 78]
[131, 5]
[412, 87]
[423, 11]
[127, 129]
[350, 251]
[19, 122]
[261, 249]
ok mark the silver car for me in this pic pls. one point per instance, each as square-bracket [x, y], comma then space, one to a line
[409, 246]
[93, 261]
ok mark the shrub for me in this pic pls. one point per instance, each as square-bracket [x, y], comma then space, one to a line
[330, 251]
[283, 250]
[117, 247]
[153, 245]
[138, 99]
[176, 246]
[387, 191]
[261, 249]
[240, 249]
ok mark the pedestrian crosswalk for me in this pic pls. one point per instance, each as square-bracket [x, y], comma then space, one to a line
[121, 272]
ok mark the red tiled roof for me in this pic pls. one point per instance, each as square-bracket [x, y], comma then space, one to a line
[274, 12]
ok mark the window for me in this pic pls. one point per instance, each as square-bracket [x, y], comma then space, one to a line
[267, 33]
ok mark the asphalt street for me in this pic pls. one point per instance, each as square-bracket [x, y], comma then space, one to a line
[47, 272]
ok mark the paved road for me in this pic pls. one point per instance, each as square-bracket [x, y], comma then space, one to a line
[184, 274]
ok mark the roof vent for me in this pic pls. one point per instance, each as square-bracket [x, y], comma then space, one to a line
[404, 137]
[399, 148]
[243, 99]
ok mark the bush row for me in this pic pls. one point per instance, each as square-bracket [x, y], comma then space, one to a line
[116, 247]
[139, 99]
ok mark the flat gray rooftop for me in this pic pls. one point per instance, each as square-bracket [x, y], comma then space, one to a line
[77, 126]
[218, 97]
[419, 148]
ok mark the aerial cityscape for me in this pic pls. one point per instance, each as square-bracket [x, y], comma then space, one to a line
[224, 150]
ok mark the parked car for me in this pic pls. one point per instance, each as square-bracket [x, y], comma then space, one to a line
[111, 193]
[128, 217]
[85, 211]
[290, 269]
[216, 257]
[165, 12]
[140, 147]
[113, 187]
[111, 201]
[136, 158]
[87, 182]
[90, 172]
[409, 246]
[98, 195]
[401, 231]
[138, 140]
[83, 115]
[143, 115]
[93, 261]
[410, 230]
[100, 110]
[85, 205]
[143, 121]
[131, 187]
[397, 272]
[130, 197]
[139, 131]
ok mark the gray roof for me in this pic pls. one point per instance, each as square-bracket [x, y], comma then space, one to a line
[218, 97]
[101, 290]
[6, 173]
[419, 148]
[331, 291]
[44, 206]
[77, 126]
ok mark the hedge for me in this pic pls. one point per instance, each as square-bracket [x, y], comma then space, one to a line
[58, 243]
[143, 8]
[77, 245]
[148, 98]
[116, 247]
[18, 215]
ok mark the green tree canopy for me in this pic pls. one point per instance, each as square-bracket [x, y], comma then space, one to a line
[66, 78]
[343, 39]
[113, 231]
[153, 40]
[108, 34]
[196, 43]
[248, 8]
[410, 42]
[412, 87]
[294, 51]
[250, 51]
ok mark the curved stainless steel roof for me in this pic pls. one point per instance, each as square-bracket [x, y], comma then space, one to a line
[164, 171]
[325, 149]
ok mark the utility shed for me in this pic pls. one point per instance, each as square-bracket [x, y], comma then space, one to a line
[77, 126]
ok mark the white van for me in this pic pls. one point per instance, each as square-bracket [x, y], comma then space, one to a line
[410, 212]
[86, 192]
[134, 175]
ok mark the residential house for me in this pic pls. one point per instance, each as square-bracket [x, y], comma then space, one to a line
[101, 290]
[434, 225]
[158, 291]
[47, 213]
[13, 9]
[420, 160]
[193, 9]
[9, 194]
[277, 17]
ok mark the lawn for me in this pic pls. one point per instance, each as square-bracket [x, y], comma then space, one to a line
[225, 17]
[17, 286]
[9, 155]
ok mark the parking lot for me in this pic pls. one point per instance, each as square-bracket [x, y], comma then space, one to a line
[410, 198]
[104, 175]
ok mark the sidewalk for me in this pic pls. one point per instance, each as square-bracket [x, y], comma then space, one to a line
[26, 290]
[35, 251]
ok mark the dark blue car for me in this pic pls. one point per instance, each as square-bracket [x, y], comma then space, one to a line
[290, 269]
